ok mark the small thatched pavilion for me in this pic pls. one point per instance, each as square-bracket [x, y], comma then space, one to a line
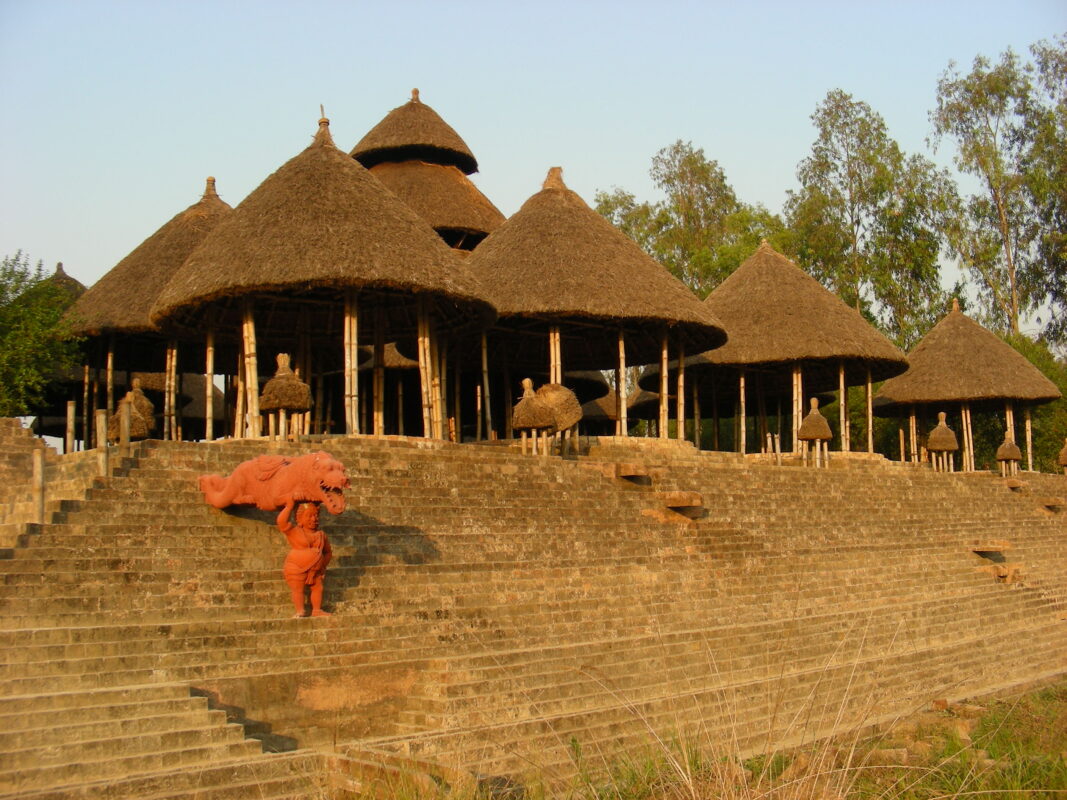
[316, 260]
[792, 338]
[959, 361]
[114, 313]
[425, 163]
[574, 292]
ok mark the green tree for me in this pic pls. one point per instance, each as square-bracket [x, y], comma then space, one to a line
[1046, 175]
[868, 219]
[985, 113]
[700, 231]
[34, 339]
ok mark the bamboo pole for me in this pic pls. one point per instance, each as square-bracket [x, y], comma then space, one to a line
[436, 396]
[742, 412]
[478, 413]
[424, 370]
[1009, 420]
[110, 375]
[351, 365]
[679, 391]
[240, 430]
[698, 421]
[166, 393]
[762, 434]
[485, 388]
[620, 388]
[103, 453]
[87, 418]
[900, 431]
[842, 407]
[661, 431]
[870, 413]
[209, 385]
[125, 415]
[913, 436]
[38, 485]
[400, 406]
[251, 369]
[968, 441]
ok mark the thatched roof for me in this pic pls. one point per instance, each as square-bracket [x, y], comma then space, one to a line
[71, 287]
[1009, 451]
[414, 131]
[321, 222]
[814, 426]
[960, 361]
[942, 439]
[778, 314]
[121, 301]
[441, 195]
[285, 390]
[558, 261]
[391, 358]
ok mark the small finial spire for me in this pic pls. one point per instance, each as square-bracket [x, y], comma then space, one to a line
[59, 268]
[322, 136]
[554, 179]
[955, 304]
[415, 96]
[209, 188]
[815, 404]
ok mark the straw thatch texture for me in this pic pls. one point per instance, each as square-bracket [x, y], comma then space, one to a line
[414, 131]
[530, 412]
[814, 426]
[71, 287]
[122, 299]
[942, 439]
[1009, 451]
[960, 361]
[602, 409]
[441, 195]
[777, 313]
[561, 402]
[558, 261]
[321, 222]
[285, 390]
[391, 358]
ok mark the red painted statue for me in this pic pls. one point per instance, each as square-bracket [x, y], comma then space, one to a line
[305, 566]
[282, 482]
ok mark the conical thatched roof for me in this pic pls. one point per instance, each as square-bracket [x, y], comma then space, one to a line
[441, 195]
[71, 287]
[814, 426]
[777, 313]
[285, 390]
[122, 300]
[1009, 451]
[942, 439]
[960, 361]
[321, 222]
[414, 131]
[557, 260]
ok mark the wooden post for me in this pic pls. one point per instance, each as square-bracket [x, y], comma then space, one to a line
[283, 427]
[900, 430]
[457, 397]
[620, 388]
[125, 414]
[741, 408]
[762, 434]
[914, 437]
[38, 485]
[72, 416]
[870, 413]
[379, 372]
[400, 406]
[251, 369]
[968, 441]
[351, 365]
[240, 429]
[209, 385]
[478, 413]
[842, 407]
[424, 368]
[110, 375]
[663, 390]
[555, 356]
[436, 395]
[485, 388]
[87, 420]
[698, 421]
[1029, 440]
[679, 392]
[103, 468]
[171, 383]
[166, 393]
[1009, 420]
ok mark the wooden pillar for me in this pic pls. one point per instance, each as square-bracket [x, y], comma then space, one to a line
[968, 438]
[900, 431]
[742, 431]
[400, 405]
[555, 355]
[663, 388]
[87, 415]
[171, 384]
[457, 397]
[125, 415]
[110, 375]
[72, 418]
[870, 413]
[425, 371]
[248, 330]
[485, 388]
[379, 372]
[351, 365]
[1029, 440]
[38, 485]
[620, 387]
[168, 395]
[679, 392]
[1009, 420]
[913, 437]
[240, 429]
[798, 404]
[698, 421]
[100, 422]
[209, 385]
[842, 407]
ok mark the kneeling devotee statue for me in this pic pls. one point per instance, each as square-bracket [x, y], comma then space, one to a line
[281, 482]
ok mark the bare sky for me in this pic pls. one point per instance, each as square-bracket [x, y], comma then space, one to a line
[115, 111]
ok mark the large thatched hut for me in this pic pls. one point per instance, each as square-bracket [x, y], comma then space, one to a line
[574, 292]
[961, 363]
[316, 260]
[425, 163]
[114, 313]
[789, 338]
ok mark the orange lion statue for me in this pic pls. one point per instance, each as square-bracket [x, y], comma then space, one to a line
[273, 482]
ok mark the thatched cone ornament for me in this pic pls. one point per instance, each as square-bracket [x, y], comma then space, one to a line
[142, 415]
[1061, 459]
[284, 393]
[565, 410]
[815, 428]
[941, 444]
[1008, 457]
[531, 415]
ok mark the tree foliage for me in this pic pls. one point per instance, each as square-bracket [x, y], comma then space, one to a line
[868, 220]
[700, 231]
[34, 341]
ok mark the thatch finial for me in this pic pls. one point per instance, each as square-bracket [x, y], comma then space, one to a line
[415, 96]
[554, 179]
[955, 304]
[59, 268]
[322, 136]
[209, 189]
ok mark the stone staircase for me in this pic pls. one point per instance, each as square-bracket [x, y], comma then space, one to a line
[496, 614]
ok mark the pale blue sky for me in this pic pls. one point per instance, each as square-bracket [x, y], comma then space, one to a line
[115, 111]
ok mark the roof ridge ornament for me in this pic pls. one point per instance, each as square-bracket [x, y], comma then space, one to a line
[209, 189]
[415, 96]
[554, 179]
